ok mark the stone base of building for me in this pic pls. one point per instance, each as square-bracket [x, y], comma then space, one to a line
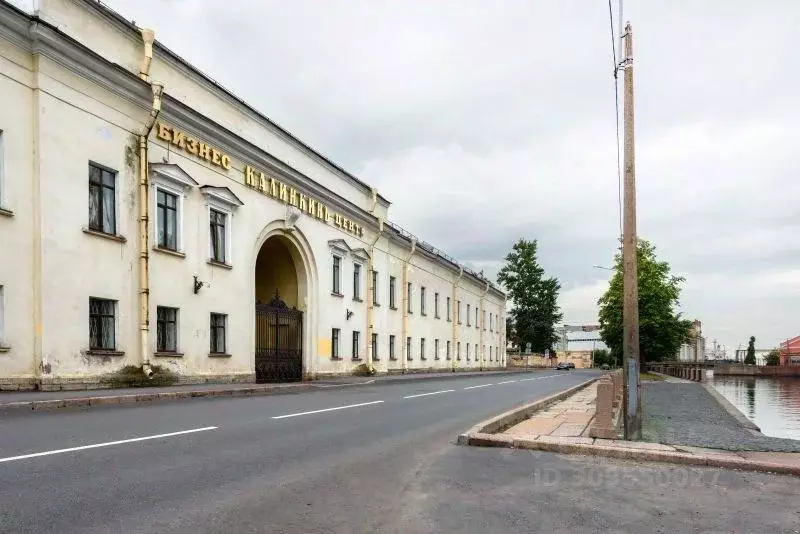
[103, 382]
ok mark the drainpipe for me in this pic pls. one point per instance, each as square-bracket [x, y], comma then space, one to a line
[144, 206]
[456, 317]
[482, 327]
[404, 289]
[371, 295]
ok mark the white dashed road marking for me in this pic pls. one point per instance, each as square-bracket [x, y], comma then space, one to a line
[326, 410]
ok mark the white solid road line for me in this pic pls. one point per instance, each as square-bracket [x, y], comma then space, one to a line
[539, 378]
[507, 382]
[481, 386]
[326, 410]
[426, 394]
[108, 444]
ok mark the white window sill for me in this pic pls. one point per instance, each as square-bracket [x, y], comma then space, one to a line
[5, 212]
[169, 252]
[112, 237]
[216, 263]
[4, 348]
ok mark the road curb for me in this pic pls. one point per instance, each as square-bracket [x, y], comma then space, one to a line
[731, 409]
[255, 390]
[510, 418]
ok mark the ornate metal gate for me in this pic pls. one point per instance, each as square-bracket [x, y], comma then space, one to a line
[279, 342]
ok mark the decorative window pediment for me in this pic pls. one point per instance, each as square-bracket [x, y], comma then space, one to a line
[360, 254]
[221, 195]
[340, 246]
[172, 175]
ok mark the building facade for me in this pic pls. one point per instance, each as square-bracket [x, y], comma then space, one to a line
[148, 217]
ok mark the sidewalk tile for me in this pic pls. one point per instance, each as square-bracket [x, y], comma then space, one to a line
[567, 429]
[786, 458]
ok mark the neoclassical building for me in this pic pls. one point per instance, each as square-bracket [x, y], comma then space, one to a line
[149, 217]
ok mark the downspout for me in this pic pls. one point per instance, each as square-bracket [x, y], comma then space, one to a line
[483, 327]
[371, 295]
[456, 317]
[404, 289]
[502, 326]
[144, 206]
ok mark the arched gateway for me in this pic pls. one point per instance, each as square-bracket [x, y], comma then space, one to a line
[281, 299]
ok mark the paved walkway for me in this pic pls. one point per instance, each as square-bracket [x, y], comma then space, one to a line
[687, 414]
[683, 424]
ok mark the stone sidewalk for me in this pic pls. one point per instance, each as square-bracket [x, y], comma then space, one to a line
[563, 427]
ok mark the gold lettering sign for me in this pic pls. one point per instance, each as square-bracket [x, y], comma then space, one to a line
[194, 147]
[273, 188]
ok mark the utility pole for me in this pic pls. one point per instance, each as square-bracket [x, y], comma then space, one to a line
[630, 281]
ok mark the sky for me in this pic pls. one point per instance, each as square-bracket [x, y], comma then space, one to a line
[485, 122]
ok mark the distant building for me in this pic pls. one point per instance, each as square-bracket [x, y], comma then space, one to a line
[695, 349]
[790, 351]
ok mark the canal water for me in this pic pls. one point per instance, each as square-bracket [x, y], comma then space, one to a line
[771, 403]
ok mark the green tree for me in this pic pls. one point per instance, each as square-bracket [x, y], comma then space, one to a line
[774, 357]
[661, 329]
[534, 296]
[750, 359]
[511, 333]
[601, 357]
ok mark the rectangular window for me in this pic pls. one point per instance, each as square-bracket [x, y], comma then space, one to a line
[448, 310]
[337, 275]
[458, 312]
[436, 305]
[422, 349]
[408, 297]
[436, 349]
[166, 329]
[477, 354]
[458, 351]
[102, 324]
[468, 314]
[483, 320]
[2, 177]
[335, 343]
[2, 316]
[422, 310]
[476, 317]
[356, 281]
[218, 221]
[408, 348]
[491, 323]
[447, 354]
[356, 345]
[392, 355]
[375, 347]
[467, 351]
[166, 220]
[490, 353]
[102, 200]
[219, 324]
[375, 288]
[392, 292]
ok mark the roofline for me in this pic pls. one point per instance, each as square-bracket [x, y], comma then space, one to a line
[109, 12]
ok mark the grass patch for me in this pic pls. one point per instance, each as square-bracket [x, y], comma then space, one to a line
[132, 376]
[650, 377]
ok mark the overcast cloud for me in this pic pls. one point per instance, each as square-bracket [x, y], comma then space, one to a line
[487, 121]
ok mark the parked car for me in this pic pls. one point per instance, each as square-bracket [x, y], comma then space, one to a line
[571, 365]
[562, 366]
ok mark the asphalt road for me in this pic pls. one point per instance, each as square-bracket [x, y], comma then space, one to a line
[329, 460]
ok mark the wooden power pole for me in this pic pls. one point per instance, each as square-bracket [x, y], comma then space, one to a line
[632, 399]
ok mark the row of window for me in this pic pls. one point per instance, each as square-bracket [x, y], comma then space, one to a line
[103, 327]
[336, 353]
[168, 214]
[493, 322]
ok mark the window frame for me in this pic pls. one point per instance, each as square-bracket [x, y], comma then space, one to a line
[226, 235]
[392, 292]
[436, 305]
[114, 193]
[458, 312]
[458, 351]
[408, 349]
[356, 338]
[436, 349]
[409, 296]
[214, 330]
[3, 195]
[163, 323]
[159, 219]
[447, 353]
[449, 306]
[336, 335]
[468, 315]
[422, 355]
[392, 346]
[336, 275]
[99, 317]
[357, 270]
[422, 311]
[374, 346]
[3, 341]
[375, 285]
[468, 352]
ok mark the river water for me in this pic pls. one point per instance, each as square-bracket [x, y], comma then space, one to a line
[771, 403]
